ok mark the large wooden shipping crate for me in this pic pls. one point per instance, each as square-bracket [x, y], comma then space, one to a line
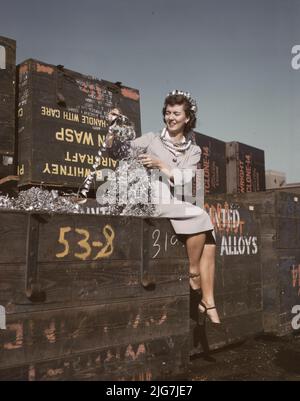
[280, 232]
[7, 105]
[62, 122]
[213, 162]
[86, 301]
[276, 244]
[92, 298]
[245, 168]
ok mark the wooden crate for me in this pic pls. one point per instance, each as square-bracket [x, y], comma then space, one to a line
[7, 105]
[84, 301]
[278, 239]
[213, 162]
[245, 168]
[280, 231]
[62, 121]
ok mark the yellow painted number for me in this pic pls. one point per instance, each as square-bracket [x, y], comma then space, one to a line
[83, 244]
[105, 251]
[108, 249]
[63, 241]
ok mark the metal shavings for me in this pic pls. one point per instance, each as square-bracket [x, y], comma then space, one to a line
[122, 130]
[129, 190]
[40, 200]
[5, 202]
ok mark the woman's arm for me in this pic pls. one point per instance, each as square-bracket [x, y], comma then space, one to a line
[151, 162]
[177, 176]
[142, 141]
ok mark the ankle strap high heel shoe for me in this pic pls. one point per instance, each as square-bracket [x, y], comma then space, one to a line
[206, 315]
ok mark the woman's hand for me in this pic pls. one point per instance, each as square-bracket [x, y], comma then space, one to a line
[150, 162]
[109, 140]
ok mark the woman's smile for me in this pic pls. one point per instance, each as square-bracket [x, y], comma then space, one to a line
[175, 118]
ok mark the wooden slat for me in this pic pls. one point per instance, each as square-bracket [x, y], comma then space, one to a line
[134, 361]
[70, 284]
[13, 237]
[48, 335]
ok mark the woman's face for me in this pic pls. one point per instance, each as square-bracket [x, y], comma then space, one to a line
[175, 119]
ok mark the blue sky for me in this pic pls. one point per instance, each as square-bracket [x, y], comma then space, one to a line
[234, 56]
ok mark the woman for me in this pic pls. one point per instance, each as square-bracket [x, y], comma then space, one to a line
[170, 152]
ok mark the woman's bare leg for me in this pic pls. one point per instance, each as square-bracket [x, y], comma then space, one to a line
[195, 245]
[202, 270]
[207, 274]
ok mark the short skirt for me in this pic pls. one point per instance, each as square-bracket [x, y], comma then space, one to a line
[187, 218]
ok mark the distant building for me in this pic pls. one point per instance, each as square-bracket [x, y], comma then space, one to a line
[275, 179]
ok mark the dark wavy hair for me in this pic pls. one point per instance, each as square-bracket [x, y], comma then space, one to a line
[172, 100]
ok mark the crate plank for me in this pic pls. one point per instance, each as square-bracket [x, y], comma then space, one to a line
[135, 362]
[51, 334]
[70, 284]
